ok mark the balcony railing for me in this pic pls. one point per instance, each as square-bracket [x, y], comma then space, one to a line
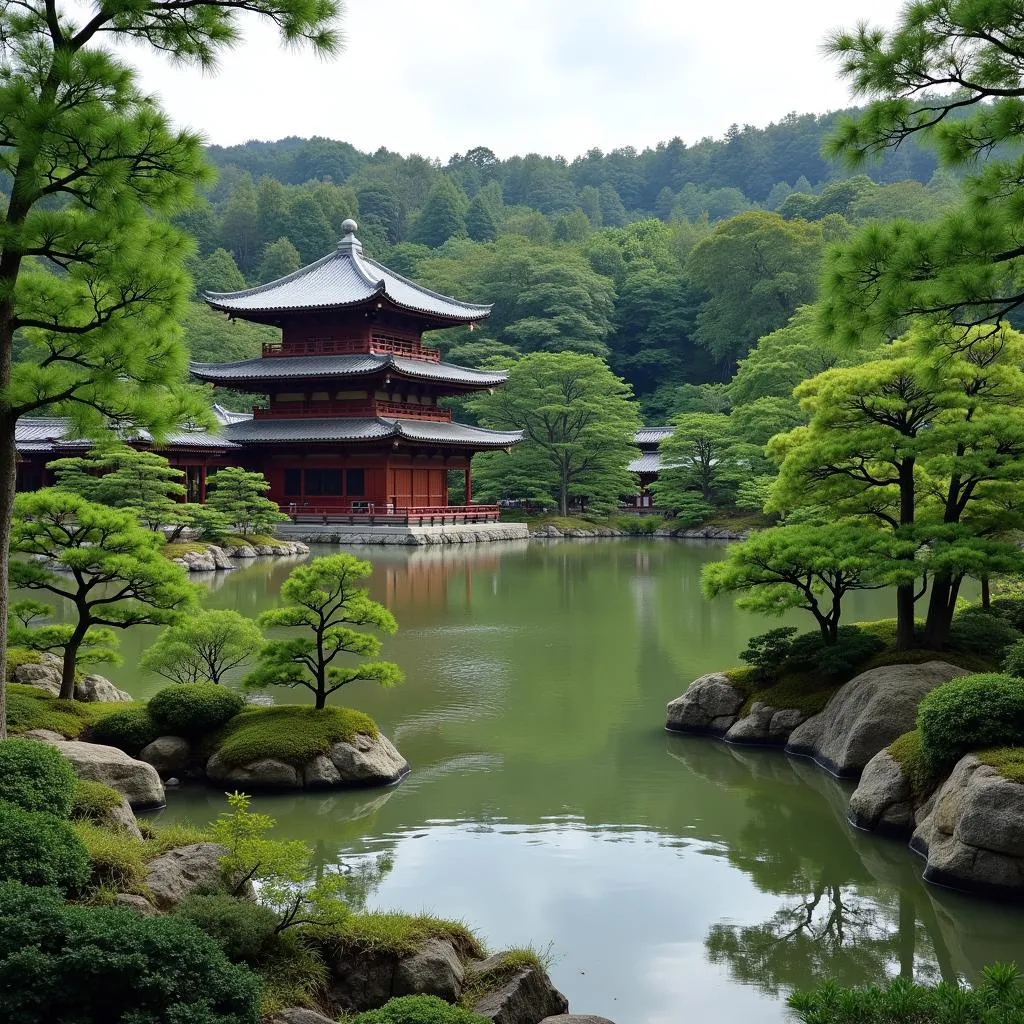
[385, 514]
[312, 410]
[376, 345]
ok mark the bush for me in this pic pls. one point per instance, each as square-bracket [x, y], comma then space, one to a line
[999, 999]
[1013, 660]
[129, 730]
[243, 929]
[39, 849]
[418, 1010]
[93, 801]
[970, 713]
[118, 860]
[975, 631]
[853, 647]
[692, 509]
[35, 777]
[192, 709]
[768, 651]
[1011, 609]
[70, 963]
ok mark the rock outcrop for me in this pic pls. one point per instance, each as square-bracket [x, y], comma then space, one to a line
[867, 714]
[765, 725]
[576, 1018]
[97, 688]
[710, 704]
[169, 755]
[45, 674]
[216, 558]
[178, 874]
[883, 801]
[265, 773]
[521, 996]
[973, 834]
[137, 781]
[299, 1015]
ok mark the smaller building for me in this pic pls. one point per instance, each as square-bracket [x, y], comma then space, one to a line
[648, 463]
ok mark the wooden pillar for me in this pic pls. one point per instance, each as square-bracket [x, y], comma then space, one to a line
[202, 483]
[469, 484]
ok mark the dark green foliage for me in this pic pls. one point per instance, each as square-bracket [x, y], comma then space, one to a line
[970, 713]
[998, 999]
[70, 963]
[36, 777]
[40, 849]
[768, 651]
[129, 730]
[975, 631]
[242, 928]
[191, 709]
[418, 1010]
[852, 648]
[1011, 609]
[28, 707]
[1013, 660]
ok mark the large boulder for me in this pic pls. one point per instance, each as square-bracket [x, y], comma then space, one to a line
[883, 801]
[973, 834]
[97, 688]
[764, 724]
[867, 714]
[169, 755]
[136, 780]
[174, 876]
[368, 760]
[197, 561]
[265, 773]
[576, 1018]
[710, 704]
[299, 1015]
[121, 818]
[45, 673]
[518, 996]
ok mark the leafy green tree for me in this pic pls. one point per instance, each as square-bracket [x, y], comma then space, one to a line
[239, 495]
[308, 229]
[217, 273]
[380, 202]
[142, 482]
[443, 216]
[212, 338]
[578, 421]
[324, 600]
[279, 259]
[203, 647]
[238, 227]
[271, 210]
[481, 225]
[112, 571]
[756, 269]
[808, 567]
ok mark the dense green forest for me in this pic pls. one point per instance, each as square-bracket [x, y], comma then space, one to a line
[670, 263]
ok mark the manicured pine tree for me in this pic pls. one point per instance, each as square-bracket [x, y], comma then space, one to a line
[239, 496]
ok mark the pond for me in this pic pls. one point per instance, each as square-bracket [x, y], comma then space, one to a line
[673, 876]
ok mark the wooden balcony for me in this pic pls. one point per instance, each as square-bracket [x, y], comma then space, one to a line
[376, 345]
[371, 513]
[369, 410]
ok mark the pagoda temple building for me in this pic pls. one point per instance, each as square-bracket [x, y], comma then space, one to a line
[353, 422]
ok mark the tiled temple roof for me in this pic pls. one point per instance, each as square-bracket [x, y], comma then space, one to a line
[294, 367]
[647, 436]
[344, 278]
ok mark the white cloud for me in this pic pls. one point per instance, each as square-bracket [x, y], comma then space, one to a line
[548, 76]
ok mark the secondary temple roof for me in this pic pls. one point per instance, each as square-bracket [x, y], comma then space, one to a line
[271, 430]
[292, 367]
[344, 278]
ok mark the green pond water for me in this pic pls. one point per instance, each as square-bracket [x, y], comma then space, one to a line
[676, 878]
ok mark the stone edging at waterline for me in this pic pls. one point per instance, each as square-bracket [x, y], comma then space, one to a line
[552, 532]
[969, 830]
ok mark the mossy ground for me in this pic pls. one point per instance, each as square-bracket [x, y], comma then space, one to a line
[394, 932]
[179, 549]
[237, 540]
[288, 732]
[93, 800]
[906, 752]
[29, 707]
[1009, 761]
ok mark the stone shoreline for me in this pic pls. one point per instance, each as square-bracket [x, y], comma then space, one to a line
[679, 533]
[218, 557]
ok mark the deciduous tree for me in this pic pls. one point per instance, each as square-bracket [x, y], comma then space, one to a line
[203, 647]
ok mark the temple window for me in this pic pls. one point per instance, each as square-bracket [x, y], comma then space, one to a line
[292, 482]
[323, 482]
[355, 483]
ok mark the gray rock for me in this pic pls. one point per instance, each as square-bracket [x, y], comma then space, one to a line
[174, 876]
[368, 760]
[197, 561]
[525, 996]
[139, 904]
[765, 724]
[266, 773]
[97, 688]
[121, 818]
[433, 970]
[220, 559]
[710, 704]
[299, 1015]
[169, 755]
[136, 780]
[320, 773]
[576, 1018]
[867, 714]
[883, 800]
[47, 735]
[244, 551]
[973, 835]
[264, 549]
[45, 674]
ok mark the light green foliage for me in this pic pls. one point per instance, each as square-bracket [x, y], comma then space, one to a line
[203, 647]
[93, 545]
[217, 273]
[194, 709]
[93, 801]
[290, 733]
[756, 270]
[213, 338]
[755, 493]
[239, 495]
[28, 707]
[578, 423]
[691, 509]
[118, 860]
[212, 525]
[443, 215]
[906, 751]
[41, 849]
[280, 258]
[808, 567]
[140, 481]
[998, 999]
[324, 600]
[970, 713]
[418, 1010]
[1009, 761]
[395, 932]
[36, 777]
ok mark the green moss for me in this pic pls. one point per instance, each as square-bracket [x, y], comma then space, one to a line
[236, 540]
[17, 656]
[906, 752]
[91, 801]
[28, 707]
[971, 662]
[1009, 761]
[289, 732]
[394, 932]
[179, 550]
[118, 860]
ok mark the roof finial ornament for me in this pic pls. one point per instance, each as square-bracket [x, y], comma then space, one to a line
[349, 226]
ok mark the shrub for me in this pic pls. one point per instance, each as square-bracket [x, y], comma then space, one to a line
[192, 709]
[853, 647]
[118, 860]
[692, 509]
[70, 963]
[39, 849]
[1013, 660]
[975, 631]
[36, 777]
[243, 929]
[92, 801]
[768, 651]
[999, 999]
[418, 1010]
[129, 730]
[1011, 609]
[970, 713]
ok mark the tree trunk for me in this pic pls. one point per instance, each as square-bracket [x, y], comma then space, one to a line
[321, 698]
[905, 592]
[941, 606]
[68, 668]
[8, 471]
[986, 593]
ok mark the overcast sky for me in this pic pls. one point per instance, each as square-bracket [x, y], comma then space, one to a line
[545, 76]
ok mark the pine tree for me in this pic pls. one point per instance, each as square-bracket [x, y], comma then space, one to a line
[279, 258]
[480, 223]
[443, 214]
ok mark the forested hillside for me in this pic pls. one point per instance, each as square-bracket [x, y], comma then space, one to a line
[669, 262]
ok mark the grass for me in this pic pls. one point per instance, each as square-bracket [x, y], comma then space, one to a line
[178, 549]
[511, 963]
[1008, 761]
[118, 860]
[160, 839]
[236, 540]
[291, 973]
[395, 932]
[289, 732]
[93, 800]
[906, 752]
[29, 707]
